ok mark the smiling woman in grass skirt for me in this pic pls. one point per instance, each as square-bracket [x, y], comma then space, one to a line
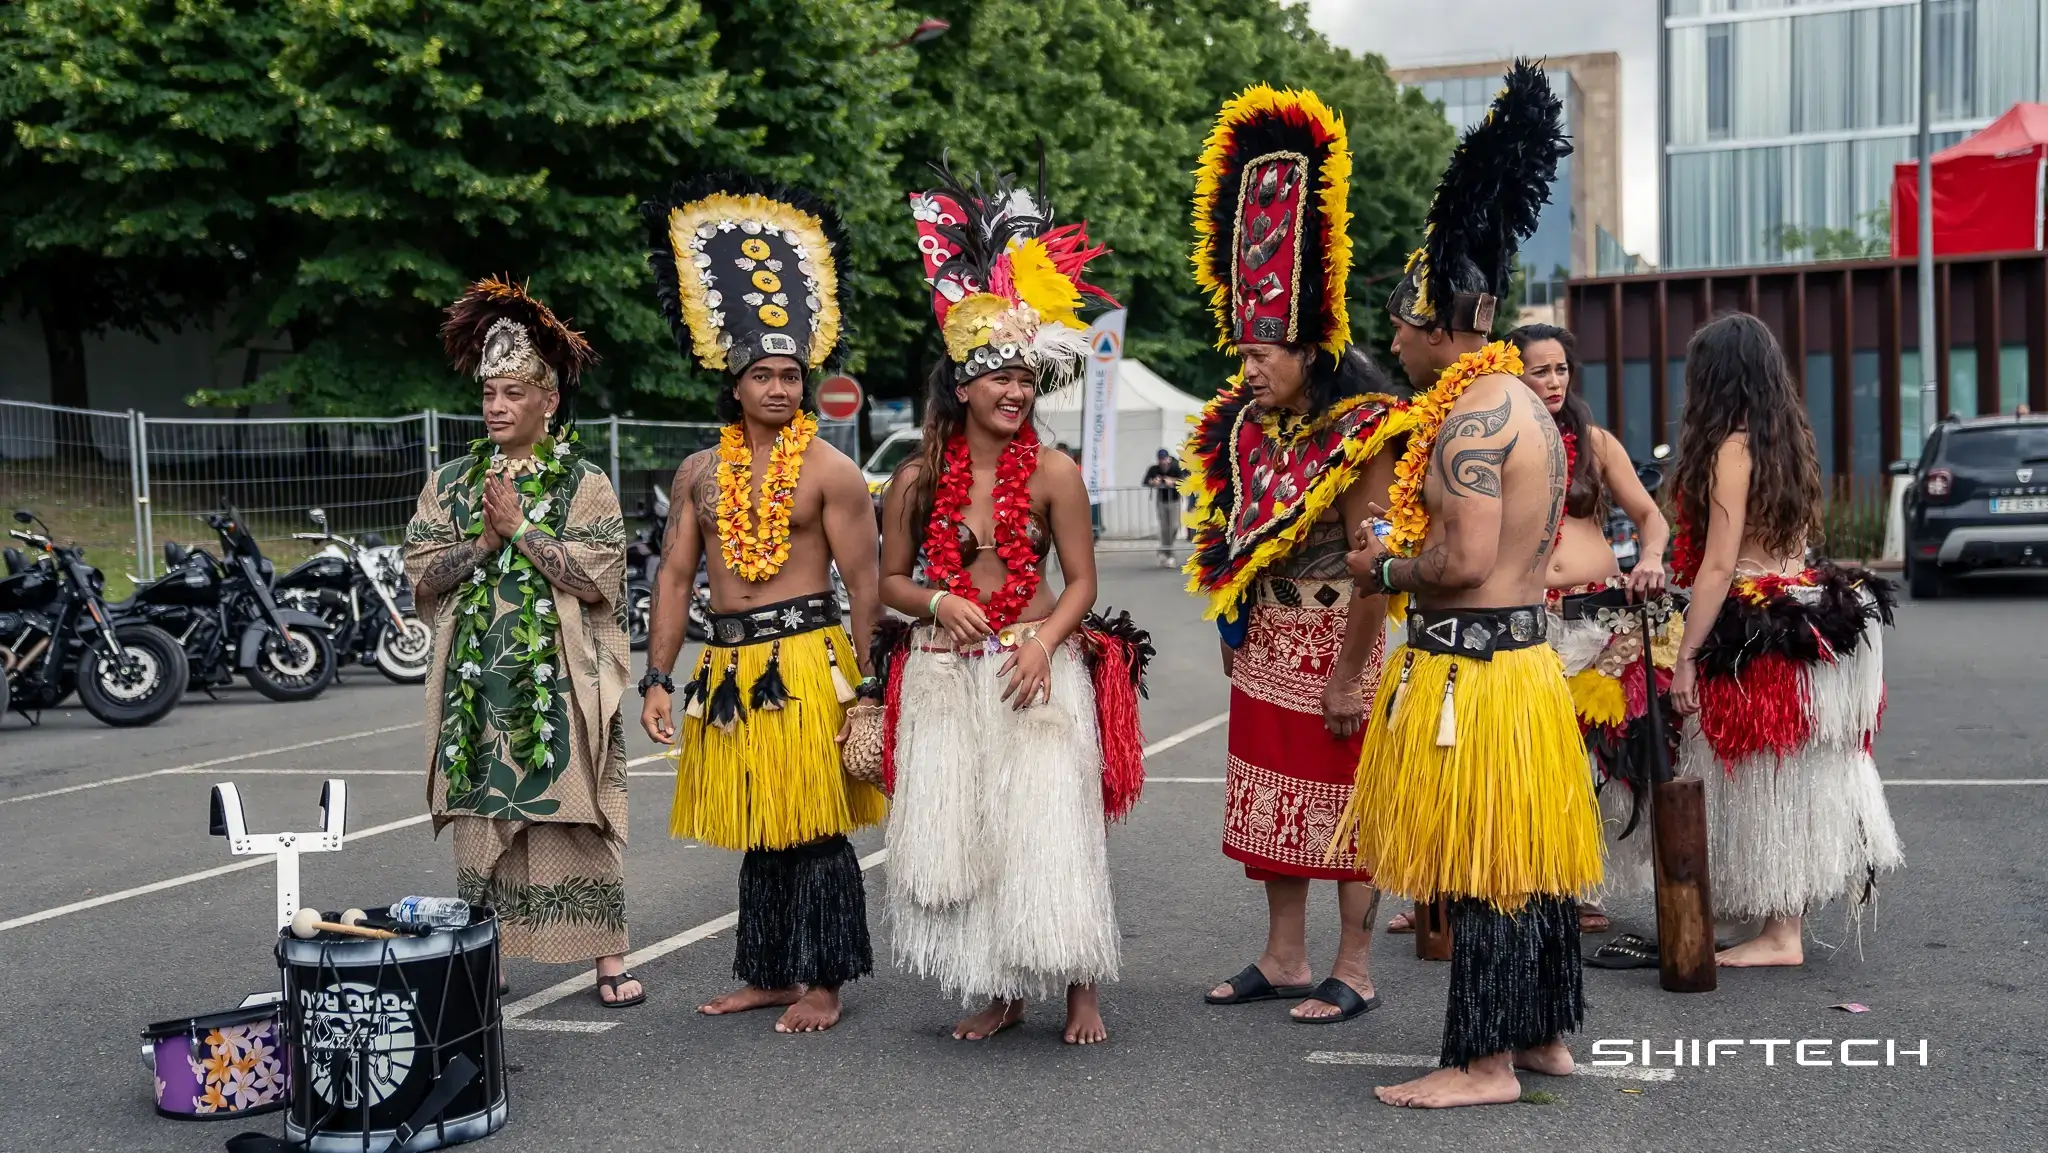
[1011, 723]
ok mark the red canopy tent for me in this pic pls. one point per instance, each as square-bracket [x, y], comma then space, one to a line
[1987, 189]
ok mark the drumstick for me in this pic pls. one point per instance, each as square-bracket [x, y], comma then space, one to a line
[306, 923]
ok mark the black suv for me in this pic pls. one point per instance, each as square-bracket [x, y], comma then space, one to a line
[1978, 501]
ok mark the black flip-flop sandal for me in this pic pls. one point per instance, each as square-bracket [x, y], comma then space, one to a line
[1627, 951]
[1252, 985]
[1335, 992]
[613, 984]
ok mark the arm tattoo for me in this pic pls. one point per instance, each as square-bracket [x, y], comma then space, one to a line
[1422, 572]
[1482, 424]
[1559, 482]
[1476, 470]
[703, 482]
[551, 557]
[451, 568]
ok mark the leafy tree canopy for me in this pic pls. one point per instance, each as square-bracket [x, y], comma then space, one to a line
[336, 170]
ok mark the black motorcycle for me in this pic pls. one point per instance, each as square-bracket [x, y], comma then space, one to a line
[222, 612]
[643, 562]
[361, 592]
[58, 634]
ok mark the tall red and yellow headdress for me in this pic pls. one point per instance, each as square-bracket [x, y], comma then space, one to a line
[1272, 220]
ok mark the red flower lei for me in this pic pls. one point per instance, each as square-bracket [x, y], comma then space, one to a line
[1686, 549]
[1571, 464]
[1012, 527]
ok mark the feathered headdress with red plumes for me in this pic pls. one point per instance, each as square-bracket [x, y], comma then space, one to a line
[1272, 221]
[495, 329]
[1006, 284]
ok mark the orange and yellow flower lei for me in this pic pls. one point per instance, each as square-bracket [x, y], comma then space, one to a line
[1405, 509]
[758, 556]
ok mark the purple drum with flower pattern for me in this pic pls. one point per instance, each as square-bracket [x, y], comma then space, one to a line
[230, 1064]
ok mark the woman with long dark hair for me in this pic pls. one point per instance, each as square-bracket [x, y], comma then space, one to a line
[1002, 769]
[1600, 653]
[1781, 669]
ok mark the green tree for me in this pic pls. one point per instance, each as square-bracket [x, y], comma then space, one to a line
[143, 139]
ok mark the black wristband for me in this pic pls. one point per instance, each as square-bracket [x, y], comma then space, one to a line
[655, 677]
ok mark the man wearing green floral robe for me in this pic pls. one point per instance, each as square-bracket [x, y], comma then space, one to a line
[525, 737]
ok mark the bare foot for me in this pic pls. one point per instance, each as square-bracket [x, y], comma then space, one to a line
[1277, 973]
[1084, 1016]
[1402, 923]
[1314, 1010]
[1489, 1082]
[1761, 952]
[1593, 919]
[1551, 1060]
[751, 997]
[999, 1016]
[814, 1012]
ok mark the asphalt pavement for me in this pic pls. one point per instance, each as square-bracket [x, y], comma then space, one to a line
[117, 909]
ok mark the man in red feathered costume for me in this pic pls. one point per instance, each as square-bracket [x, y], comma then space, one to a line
[1283, 464]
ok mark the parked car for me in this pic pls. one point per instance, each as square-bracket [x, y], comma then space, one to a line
[1978, 501]
[882, 463]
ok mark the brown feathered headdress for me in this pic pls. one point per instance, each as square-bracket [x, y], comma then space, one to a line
[495, 329]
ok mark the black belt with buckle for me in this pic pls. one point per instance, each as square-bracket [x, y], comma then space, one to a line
[1476, 633]
[1588, 606]
[773, 622]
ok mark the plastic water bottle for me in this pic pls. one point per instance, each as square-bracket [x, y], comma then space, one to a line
[433, 912]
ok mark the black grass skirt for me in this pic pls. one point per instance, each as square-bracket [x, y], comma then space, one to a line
[1516, 981]
[803, 916]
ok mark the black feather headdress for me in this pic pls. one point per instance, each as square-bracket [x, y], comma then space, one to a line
[745, 268]
[1497, 182]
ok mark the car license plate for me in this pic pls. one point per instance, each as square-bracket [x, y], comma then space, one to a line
[1624, 549]
[2019, 504]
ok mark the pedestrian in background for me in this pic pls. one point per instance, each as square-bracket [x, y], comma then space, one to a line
[1164, 478]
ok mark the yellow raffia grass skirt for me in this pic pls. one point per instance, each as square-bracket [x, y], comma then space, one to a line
[1505, 812]
[774, 779]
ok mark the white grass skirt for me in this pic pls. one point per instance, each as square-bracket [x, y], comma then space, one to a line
[998, 866]
[1786, 835]
[1629, 871]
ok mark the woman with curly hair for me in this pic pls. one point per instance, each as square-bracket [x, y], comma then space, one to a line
[1781, 669]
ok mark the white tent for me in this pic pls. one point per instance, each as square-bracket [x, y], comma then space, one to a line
[1151, 414]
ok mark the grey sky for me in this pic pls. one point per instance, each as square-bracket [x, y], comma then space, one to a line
[1457, 31]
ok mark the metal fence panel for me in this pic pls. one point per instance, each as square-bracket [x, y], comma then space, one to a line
[366, 472]
[76, 469]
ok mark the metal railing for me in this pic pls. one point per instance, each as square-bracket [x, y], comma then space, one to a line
[119, 482]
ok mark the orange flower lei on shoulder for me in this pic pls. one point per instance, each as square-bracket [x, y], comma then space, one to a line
[1405, 509]
[756, 556]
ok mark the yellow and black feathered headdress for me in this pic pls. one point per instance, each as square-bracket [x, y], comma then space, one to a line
[1485, 206]
[496, 330]
[1272, 220]
[746, 269]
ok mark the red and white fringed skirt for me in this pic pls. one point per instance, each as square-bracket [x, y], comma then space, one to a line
[1791, 685]
[1288, 779]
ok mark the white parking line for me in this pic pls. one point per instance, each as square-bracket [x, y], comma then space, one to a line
[190, 878]
[1418, 1061]
[559, 990]
[516, 1013]
[198, 765]
[1889, 782]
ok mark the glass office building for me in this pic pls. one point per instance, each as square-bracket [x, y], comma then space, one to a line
[1546, 258]
[1793, 112]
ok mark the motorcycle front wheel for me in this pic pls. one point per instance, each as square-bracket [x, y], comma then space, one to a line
[139, 689]
[639, 615]
[297, 667]
[403, 655]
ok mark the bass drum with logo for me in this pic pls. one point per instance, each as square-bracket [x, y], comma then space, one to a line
[395, 1044]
